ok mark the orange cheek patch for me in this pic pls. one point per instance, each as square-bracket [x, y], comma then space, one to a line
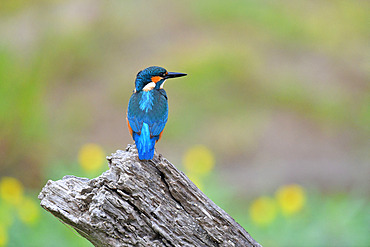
[156, 79]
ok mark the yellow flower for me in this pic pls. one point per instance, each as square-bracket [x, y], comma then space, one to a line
[91, 157]
[28, 211]
[263, 210]
[291, 198]
[3, 235]
[11, 190]
[199, 160]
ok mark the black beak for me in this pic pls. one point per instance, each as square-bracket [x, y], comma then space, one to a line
[174, 75]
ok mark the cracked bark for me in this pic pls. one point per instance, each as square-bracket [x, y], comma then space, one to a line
[141, 203]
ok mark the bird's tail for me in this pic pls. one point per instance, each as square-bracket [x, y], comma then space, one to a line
[145, 144]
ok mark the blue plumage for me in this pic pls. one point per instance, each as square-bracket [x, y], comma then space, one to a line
[147, 111]
[146, 101]
[145, 144]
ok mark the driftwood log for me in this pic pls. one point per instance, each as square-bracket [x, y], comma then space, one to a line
[141, 203]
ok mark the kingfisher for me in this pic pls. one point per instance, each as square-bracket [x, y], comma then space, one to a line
[147, 111]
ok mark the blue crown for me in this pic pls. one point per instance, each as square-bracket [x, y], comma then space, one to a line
[145, 76]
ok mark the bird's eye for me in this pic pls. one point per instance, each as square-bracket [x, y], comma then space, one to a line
[164, 74]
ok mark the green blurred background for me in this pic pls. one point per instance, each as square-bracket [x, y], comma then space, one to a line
[275, 108]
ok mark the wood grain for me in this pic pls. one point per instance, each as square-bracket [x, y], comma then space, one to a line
[141, 203]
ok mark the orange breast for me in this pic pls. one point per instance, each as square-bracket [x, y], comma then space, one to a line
[129, 127]
[160, 136]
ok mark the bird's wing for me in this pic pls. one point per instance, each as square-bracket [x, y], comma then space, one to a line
[156, 118]
[135, 116]
[159, 113]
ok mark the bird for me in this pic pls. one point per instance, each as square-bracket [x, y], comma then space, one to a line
[147, 110]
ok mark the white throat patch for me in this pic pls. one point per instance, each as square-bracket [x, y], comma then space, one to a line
[149, 86]
[163, 84]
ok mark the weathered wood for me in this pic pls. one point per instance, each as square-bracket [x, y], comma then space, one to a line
[141, 203]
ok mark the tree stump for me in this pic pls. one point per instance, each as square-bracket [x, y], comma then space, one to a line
[141, 203]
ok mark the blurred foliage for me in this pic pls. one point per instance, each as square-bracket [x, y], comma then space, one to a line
[324, 220]
[21, 112]
[67, 70]
[3, 236]
[198, 162]
[316, 219]
[263, 211]
[325, 25]
[24, 223]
